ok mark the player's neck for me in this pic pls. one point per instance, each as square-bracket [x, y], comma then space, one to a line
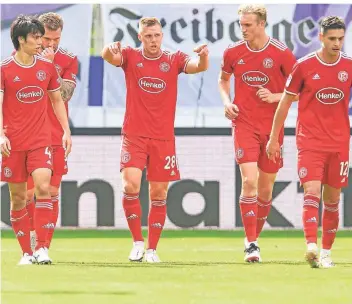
[24, 58]
[152, 56]
[258, 43]
[326, 57]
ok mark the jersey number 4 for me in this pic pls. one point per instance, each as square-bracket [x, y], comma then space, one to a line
[344, 168]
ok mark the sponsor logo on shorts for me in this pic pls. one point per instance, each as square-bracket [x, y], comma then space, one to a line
[329, 95]
[343, 76]
[239, 153]
[41, 75]
[7, 172]
[268, 63]
[164, 67]
[172, 173]
[255, 78]
[30, 94]
[303, 172]
[152, 85]
[125, 157]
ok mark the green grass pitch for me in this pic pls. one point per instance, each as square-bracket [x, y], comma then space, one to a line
[91, 267]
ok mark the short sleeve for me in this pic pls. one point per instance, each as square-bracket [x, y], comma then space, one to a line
[294, 81]
[54, 82]
[71, 71]
[125, 55]
[182, 61]
[2, 80]
[227, 62]
[288, 62]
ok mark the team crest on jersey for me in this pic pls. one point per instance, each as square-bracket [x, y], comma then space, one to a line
[58, 68]
[303, 172]
[41, 75]
[125, 157]
[343, 76]
[164, 67]
[7, 172]
[268, 63]
[239, 153]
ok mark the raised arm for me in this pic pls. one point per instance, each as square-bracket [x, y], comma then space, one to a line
[112, 53]
[201, 64]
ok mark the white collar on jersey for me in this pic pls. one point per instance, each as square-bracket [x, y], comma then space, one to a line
[24, 66]
[262, 49]
[148, 58]
[328, 64]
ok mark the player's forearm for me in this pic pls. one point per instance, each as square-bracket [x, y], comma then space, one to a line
[224, 89]
[281, 115]
[61, 114]
[66, 90]
[203, 63]
[114, 59]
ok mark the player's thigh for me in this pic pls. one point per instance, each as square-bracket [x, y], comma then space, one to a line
[134, 152]
[337, 169]
[59, 161]
[266, 183]
[264, 163]
[311, 165]
[13, 167]
[17, 195]
[249, 175]
[158, 190]
[162, 164]
[331, 195]
[247, 145]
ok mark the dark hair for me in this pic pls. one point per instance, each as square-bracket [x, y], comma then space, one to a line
[332, 23]
[24, 25]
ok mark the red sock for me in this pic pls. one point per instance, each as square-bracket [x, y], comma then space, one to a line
[310, 218]
[20, 225]
[249, 209]
[133, 213]
[330, 224]
[42, 220]
[54, 217]
[263, 212]
[30, 206]
[156, 221]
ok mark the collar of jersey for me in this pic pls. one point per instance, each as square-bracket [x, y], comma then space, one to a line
[25, 66]
[162, 52]
[328, 64]
[262, 49]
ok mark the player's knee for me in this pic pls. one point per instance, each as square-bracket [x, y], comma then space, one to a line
[54, 191]
[131, 186]
[312, 190]
[18, 200]
[265, 192]
[158, 194]
[249, 186]
[42, 189]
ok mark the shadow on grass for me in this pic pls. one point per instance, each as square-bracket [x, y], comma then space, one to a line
[67, 292]
[187, 264]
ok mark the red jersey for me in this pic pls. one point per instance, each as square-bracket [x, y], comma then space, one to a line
[67, 67]
[25, 105]
[151, 92]
[267, 68]
[322, 123]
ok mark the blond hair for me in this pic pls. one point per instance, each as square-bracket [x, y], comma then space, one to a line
[52, 21]
[257, 9]
[148, 21]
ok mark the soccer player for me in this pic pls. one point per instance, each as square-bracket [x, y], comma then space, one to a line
[148, 130]
[323, 79]
[67, 67]
[260, 65]
[26, 82]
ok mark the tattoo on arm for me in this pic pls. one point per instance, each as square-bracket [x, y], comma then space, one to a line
[67, 89]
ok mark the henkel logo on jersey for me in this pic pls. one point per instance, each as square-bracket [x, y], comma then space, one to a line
[152, 85]
[329, 95]
[30, 94]
[255, 78]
